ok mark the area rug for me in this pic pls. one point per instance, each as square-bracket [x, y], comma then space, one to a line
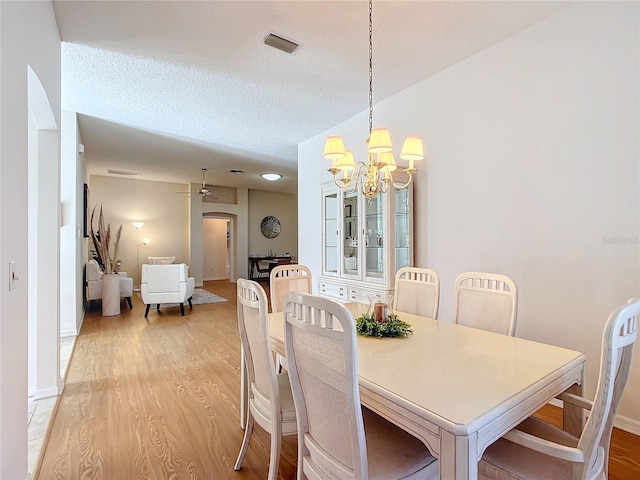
[200, 297]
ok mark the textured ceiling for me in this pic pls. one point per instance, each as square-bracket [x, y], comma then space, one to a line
[168, 88]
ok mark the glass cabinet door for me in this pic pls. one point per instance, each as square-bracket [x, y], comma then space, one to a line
[402, 220]
[350, 234]
[374, 237]
[330, 206]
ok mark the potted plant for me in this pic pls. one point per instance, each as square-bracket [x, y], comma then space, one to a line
[109, 264]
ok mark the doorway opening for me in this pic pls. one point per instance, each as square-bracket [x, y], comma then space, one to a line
[218, 247]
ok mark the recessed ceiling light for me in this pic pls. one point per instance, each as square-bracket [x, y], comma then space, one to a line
[272, 177]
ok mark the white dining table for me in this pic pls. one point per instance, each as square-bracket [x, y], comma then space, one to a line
[458, 389]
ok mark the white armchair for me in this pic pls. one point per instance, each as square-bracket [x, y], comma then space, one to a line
[94, 284]
[166, 284]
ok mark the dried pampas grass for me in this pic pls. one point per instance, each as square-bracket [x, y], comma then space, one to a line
[101, 242]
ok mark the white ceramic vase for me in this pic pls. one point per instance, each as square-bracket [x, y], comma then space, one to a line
[110, 294]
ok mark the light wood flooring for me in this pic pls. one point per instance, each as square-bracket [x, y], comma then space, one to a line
[158, 398]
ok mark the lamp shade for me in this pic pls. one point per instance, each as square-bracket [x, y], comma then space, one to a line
[334, 147]
[346, 163]
[380, 141]
[137, 224]
[387, 159]
[412, 149]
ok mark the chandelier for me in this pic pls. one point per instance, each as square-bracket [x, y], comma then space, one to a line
[376, 174]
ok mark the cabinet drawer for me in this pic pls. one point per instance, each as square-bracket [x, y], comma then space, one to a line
[334, 290]
[361, 295]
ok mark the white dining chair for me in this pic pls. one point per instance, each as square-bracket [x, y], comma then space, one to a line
[337, 438]
[270, 403]
[288, 278]
[417, 291]
[538, 450]
[487, 301]
[282, 280]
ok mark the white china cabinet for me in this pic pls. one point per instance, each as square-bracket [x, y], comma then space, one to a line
[364, 242]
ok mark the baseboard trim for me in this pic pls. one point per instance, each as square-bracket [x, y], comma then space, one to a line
[66, 368]
[220, 277]
[627, 424]
[73, 332]
[46, 393]
[623, 423]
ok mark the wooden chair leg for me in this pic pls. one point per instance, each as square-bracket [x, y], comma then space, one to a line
[190, 305]
[245, 442]
[157, 306]
[146, 312]
[182, 309]
[128, 299]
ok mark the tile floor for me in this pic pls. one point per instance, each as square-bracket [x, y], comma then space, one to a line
[40, 411]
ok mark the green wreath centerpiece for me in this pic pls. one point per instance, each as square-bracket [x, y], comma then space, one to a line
[393, 327]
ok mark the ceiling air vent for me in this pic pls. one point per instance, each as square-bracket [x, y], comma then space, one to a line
[128, 173]
[281, 43]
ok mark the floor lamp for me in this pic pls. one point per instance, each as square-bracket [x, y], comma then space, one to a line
[138, 226]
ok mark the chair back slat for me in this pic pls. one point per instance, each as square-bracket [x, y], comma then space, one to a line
[487, 301]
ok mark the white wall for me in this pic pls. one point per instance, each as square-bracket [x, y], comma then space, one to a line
[215, 256]
[44, 251]
[531, 170]
[282, 206]
[73, 246]
[28, 36]
[165, 215]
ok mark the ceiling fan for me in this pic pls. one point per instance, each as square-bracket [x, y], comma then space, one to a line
[203, 192]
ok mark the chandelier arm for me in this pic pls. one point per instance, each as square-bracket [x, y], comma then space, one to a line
[351, 184]
[384, 187]
[400, 186]
[340, 184]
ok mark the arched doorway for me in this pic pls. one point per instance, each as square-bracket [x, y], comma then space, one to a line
[219, 246]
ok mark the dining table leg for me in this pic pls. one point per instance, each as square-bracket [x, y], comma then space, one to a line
[572, 415]
[458, 457]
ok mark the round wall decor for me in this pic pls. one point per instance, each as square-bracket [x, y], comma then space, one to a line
[270, 226]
